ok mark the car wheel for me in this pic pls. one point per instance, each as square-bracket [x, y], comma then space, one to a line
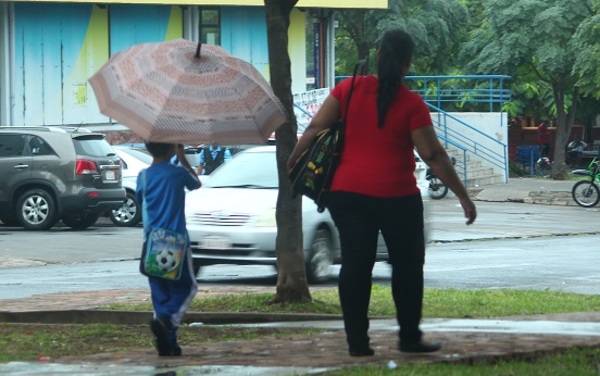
[79, 220]
[127, 215]
[320, 257]
[36, 210]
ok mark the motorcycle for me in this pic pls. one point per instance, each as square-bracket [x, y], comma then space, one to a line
[437, 190]
[586, 193]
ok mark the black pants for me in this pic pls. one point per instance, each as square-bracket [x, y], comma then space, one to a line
[359, 219]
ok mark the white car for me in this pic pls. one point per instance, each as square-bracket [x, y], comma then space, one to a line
[231, 219]
[134, 160]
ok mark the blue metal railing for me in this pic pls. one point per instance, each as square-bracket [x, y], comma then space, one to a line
[445, 89]
[460, 135]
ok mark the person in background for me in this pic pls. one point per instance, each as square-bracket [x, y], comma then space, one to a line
[212, 157]
[161, 188]
[373, 192]
[544, 138]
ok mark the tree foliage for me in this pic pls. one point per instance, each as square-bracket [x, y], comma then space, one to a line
[586, 42]
[436, 26]
[543, 39]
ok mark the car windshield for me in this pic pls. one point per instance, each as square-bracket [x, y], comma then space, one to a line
[92, 145]
[247, 169]
[138, 154]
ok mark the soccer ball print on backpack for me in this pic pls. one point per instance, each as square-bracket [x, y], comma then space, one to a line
[167, 260]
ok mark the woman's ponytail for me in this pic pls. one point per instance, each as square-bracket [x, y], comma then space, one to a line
[395, 52]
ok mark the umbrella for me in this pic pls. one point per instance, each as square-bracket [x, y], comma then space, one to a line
[183, 92]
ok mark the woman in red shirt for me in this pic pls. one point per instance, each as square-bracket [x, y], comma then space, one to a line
[374, 189]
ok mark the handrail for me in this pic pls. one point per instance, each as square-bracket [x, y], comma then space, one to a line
[456, 137]
[431, 89]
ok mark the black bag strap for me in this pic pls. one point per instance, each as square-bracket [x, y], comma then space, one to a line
[362, 66]
[342, 123]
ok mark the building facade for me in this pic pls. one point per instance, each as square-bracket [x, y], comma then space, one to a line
[48, 50]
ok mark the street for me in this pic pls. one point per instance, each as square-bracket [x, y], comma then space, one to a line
[511, 245]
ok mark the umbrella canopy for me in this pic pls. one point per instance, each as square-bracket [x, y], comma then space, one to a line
[174, 92]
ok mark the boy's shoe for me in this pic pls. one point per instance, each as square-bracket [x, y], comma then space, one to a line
[175, 350]
[161, 334]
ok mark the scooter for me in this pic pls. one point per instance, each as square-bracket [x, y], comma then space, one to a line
[586, 193]
[437, 190]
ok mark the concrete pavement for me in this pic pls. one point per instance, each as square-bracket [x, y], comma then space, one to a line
[527, 190]
[464, 340]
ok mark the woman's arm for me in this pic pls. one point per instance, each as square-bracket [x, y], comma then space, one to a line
[435, 156]
[327, 115]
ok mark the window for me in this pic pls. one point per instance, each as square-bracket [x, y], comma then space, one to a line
[210, 26]
[39, 146]
[12, 145]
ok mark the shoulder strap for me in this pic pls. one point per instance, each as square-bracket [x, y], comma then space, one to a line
[144, 208]
[360, 65]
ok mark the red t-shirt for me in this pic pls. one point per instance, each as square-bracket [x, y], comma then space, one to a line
[377, 161]
[543, 134]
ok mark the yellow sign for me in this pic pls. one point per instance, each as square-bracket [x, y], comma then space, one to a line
[333, 4]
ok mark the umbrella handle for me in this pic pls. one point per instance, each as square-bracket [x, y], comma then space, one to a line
[197, 56]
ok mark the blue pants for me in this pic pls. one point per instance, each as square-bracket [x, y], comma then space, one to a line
[359, 219]
[173, 298]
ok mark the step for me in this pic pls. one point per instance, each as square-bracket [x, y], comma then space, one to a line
[483, 180]
[550, 198]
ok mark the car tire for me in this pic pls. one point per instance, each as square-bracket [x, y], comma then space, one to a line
[36, 210]
[127, 215]
[79, 220]
[320, 257]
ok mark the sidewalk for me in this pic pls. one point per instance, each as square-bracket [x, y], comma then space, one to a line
[468, 341]
[527, 190]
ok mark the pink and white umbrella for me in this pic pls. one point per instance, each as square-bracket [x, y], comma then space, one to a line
[176, 92]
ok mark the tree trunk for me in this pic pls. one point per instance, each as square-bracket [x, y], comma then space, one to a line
[564, 124]
[292, 285]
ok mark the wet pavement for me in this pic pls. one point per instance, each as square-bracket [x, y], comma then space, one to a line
[468, 340]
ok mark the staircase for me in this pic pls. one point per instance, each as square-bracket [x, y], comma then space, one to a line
[481, 158]
[477, 174]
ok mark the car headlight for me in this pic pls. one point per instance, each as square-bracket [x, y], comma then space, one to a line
[266, 219]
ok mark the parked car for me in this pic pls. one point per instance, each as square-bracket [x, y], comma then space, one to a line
[231, 219]
[56, 173]
[134, 160]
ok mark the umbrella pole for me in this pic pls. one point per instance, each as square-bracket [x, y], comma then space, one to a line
[197, 56]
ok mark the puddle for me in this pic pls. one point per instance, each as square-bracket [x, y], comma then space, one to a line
[53, 369]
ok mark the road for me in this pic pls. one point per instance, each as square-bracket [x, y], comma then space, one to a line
[512, 245]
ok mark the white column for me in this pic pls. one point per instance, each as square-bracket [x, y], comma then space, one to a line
[330, 51]
[7, 48]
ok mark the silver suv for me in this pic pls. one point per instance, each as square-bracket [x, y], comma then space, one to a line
[51, 173]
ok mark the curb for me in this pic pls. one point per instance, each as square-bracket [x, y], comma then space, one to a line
[143, 318]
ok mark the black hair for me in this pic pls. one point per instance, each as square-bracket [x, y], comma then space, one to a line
[396, 48]
[158, 149]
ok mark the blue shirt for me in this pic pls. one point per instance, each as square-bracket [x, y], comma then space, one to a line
[164, 196]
